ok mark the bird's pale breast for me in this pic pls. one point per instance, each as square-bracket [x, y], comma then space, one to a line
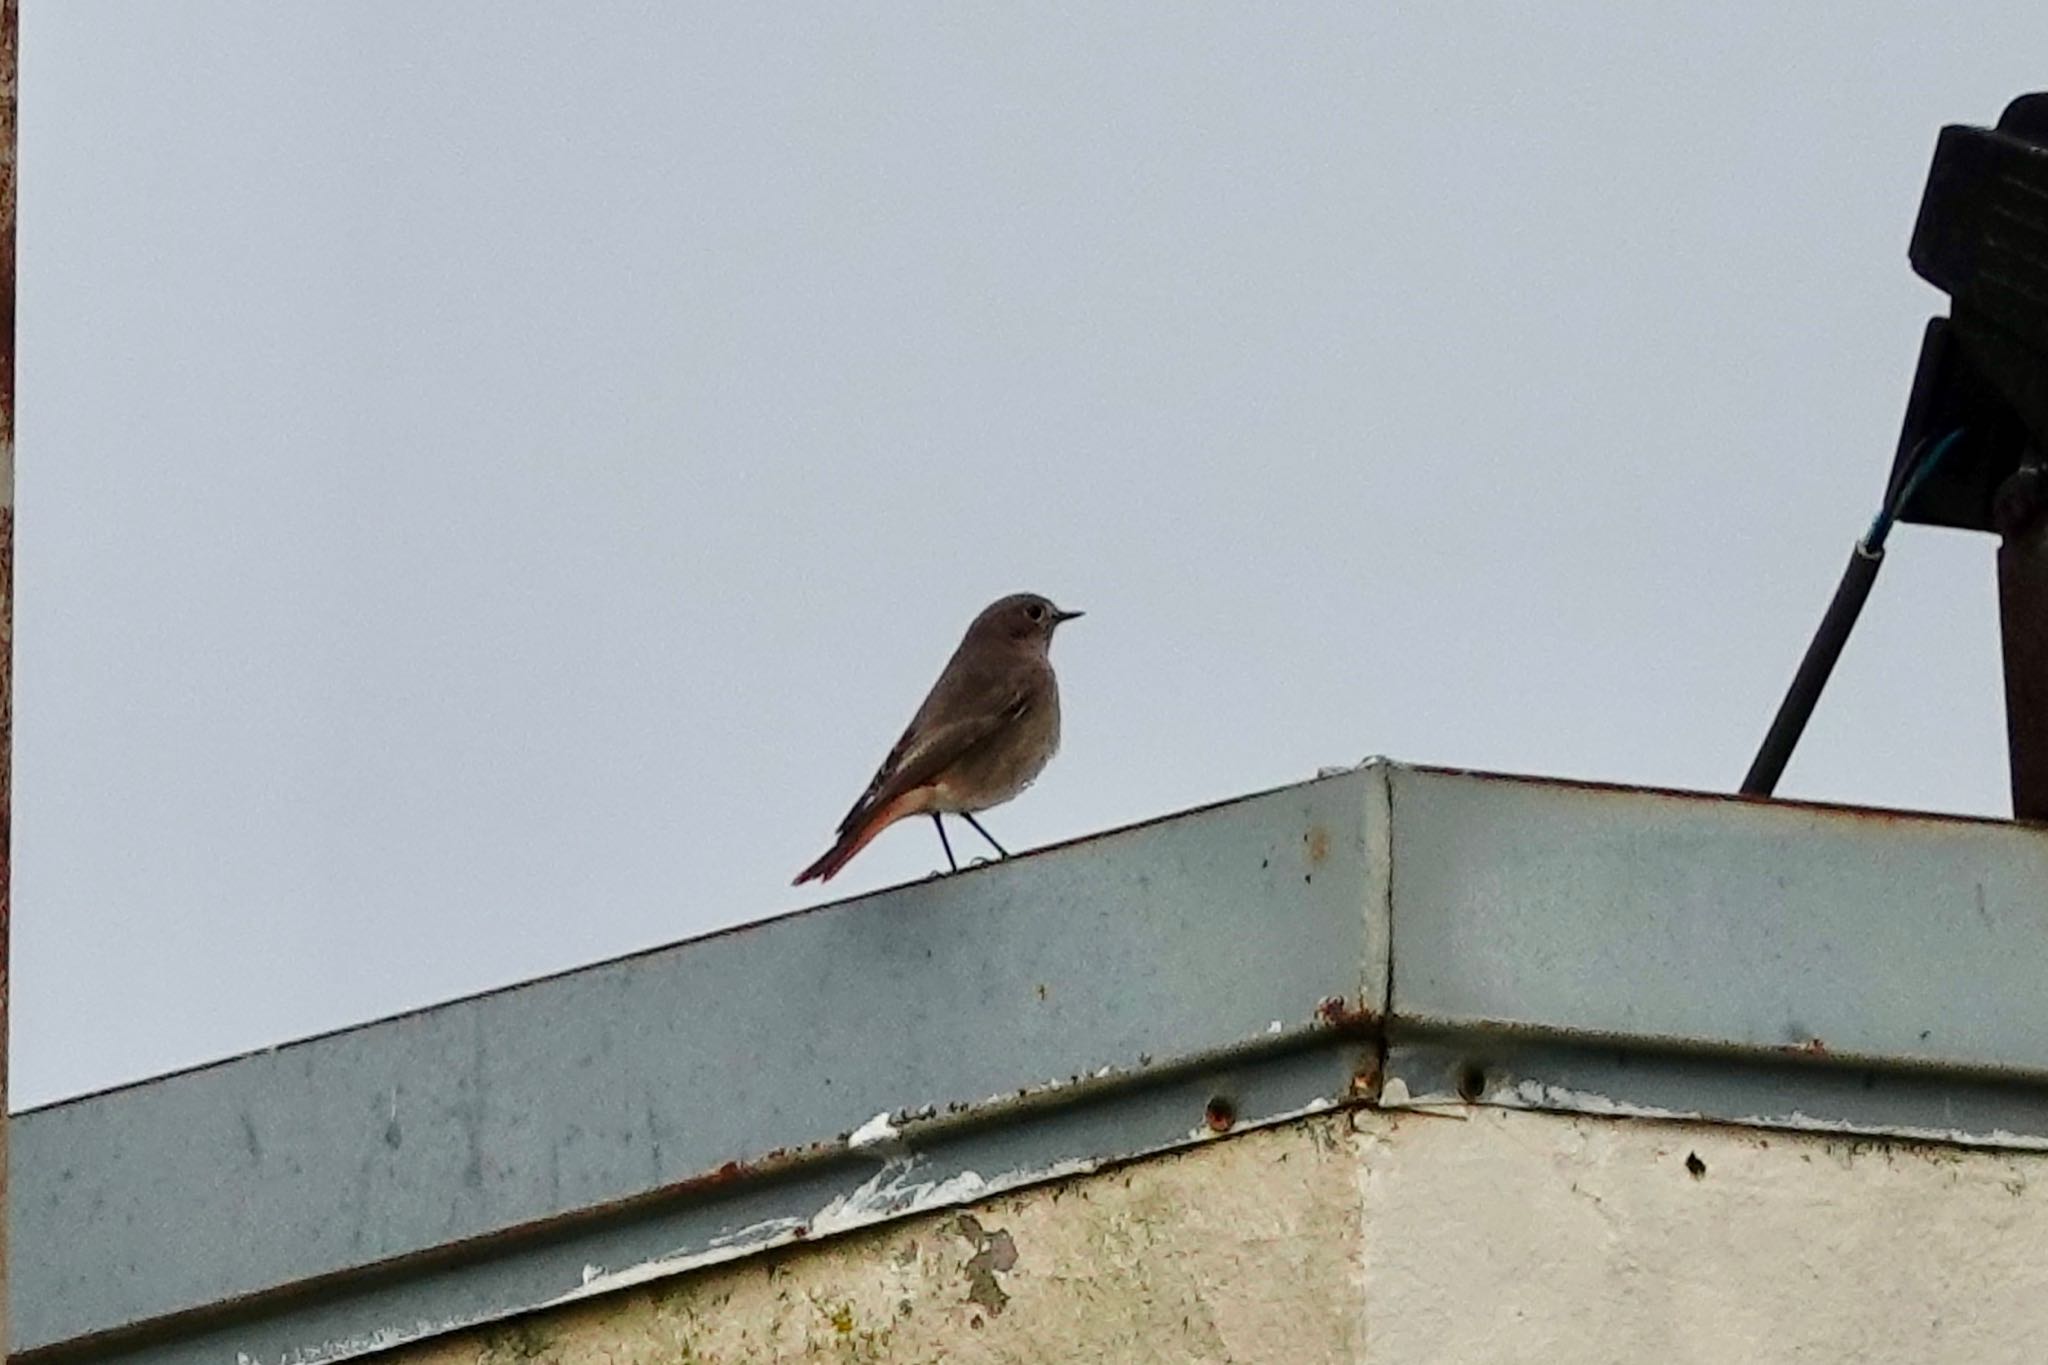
[1002, 768]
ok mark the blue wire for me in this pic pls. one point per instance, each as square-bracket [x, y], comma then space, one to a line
[1881, 524]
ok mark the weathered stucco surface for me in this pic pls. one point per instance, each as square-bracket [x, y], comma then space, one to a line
[1535, 1238]
[1213, 1255]
[1393, 1239]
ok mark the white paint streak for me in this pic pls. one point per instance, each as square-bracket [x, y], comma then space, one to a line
[368, 1343]
[888, 1194]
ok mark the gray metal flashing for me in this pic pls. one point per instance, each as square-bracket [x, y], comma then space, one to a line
[1449, 937]
[455, 1164]
[1655, 916]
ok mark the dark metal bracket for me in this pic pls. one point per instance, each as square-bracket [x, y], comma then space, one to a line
[2019, 508]
[1980, 403]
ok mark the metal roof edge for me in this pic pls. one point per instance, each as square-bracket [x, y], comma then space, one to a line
[1387, 933]
[471, 1160]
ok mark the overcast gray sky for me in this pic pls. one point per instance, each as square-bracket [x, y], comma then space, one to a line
[494, 478]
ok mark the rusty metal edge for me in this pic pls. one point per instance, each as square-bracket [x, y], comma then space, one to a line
[1044, 1135]
[1412, 1066]
[1788, 1089]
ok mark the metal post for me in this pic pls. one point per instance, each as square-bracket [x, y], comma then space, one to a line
[10, 103]
[2023, 616]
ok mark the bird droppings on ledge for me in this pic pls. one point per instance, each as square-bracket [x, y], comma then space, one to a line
[876, 1132]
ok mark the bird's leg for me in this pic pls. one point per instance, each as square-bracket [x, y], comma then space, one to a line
[1001, 852]
[944, 842]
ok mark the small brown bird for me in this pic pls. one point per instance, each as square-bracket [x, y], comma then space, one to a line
[986, 730]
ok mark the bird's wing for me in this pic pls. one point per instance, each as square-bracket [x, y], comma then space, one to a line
[930, 746]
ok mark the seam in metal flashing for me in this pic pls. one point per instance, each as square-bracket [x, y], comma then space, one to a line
[1399, 935]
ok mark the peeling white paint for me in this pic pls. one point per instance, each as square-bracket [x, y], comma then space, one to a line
[367, 1343]
[1531, 1094]
[730, 1247]
[891, 1193]
[1805, 1123]
[1373, 1240]
[888, 1194]
[874, 1133]
[1196, 1258]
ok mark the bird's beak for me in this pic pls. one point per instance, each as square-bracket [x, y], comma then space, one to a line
[1059, 616]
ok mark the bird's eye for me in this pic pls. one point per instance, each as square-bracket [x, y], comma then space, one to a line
[1035, 612]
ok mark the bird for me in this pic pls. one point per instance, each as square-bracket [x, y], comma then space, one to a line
[985, 732]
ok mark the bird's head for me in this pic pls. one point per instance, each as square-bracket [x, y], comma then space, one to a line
[1023, 617]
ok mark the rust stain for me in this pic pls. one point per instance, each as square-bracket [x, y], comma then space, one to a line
[730, 1172]
[1812, 1047]
[1337, 1012]
[725, 1175]
[1318, 841]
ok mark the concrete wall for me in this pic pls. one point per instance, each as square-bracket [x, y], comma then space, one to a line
[1394, 1238]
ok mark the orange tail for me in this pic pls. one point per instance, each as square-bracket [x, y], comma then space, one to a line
[856, 839]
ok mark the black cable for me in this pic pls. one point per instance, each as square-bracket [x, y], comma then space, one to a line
[1804, 693]
[1850, 594]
